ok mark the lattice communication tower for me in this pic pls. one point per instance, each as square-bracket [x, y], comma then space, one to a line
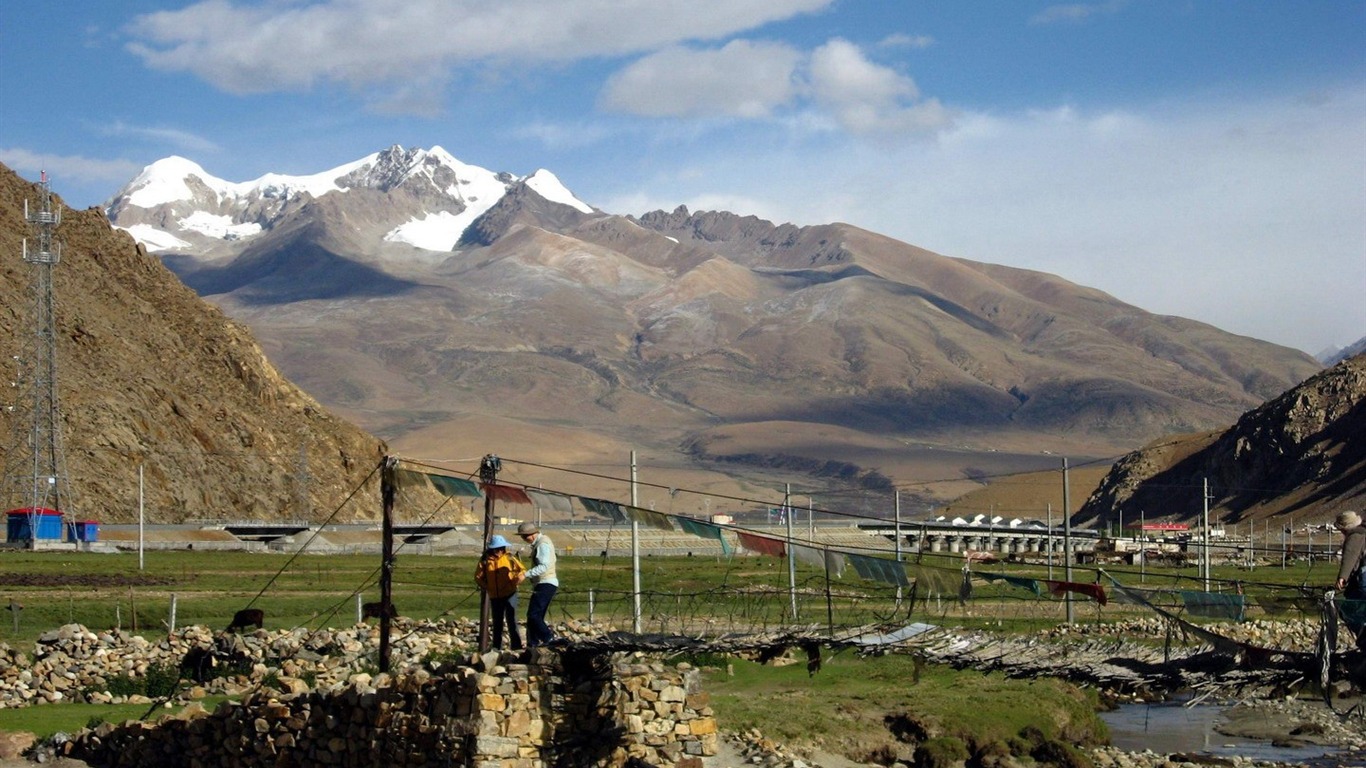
[35, 467]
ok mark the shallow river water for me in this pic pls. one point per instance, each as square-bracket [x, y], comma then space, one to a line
[1170, 727]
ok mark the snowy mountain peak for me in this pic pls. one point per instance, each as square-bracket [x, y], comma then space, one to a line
[166, 181]
[174, 201]
[547, 185]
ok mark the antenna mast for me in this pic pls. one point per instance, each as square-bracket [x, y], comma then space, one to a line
[35, 466]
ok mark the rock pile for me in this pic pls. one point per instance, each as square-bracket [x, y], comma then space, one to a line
[72, 663]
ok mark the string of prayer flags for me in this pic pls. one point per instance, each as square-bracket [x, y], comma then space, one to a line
[1015, 581]
[454, 486]
[608, 509]
[762, 545]
[1220, 643]
[509, 493]
[649, 518]
[407, 478]
[831, 560]
[934, 580]
[1061, 588]
[1027, 584]
[553, 502]
[880, 569]
[705, 530]
[1214, 605]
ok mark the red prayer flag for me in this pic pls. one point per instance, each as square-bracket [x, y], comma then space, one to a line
[508, 493]
[762, 544]
[1094, 591]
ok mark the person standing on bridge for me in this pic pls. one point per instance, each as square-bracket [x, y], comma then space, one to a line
[498, 574]
[546, 583]
[1351, 573]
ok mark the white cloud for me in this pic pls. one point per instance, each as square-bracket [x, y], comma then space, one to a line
[1075, 12]
[245, 47]
[835, 87]
[903, 40]
[69, 168]
[183, 139]
[1244, 215]
[867, 97]
[741, 79]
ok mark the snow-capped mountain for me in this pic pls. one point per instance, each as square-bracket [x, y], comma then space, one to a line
[174, 205]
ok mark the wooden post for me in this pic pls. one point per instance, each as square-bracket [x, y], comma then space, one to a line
[387, 490]
[488, 475]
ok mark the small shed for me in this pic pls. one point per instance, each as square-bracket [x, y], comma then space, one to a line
[30, 523]
[82, 530]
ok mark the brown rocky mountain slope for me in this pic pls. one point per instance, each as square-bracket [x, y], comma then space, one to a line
[150, 374]
[826, 355]
[1302, 456]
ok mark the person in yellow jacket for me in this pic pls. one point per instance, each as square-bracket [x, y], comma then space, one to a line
[498, 574]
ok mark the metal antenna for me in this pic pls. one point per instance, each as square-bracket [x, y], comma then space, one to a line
[35, 466]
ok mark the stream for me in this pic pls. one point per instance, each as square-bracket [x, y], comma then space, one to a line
[1170, 727]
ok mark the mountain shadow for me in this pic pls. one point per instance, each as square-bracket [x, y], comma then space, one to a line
[305, 270]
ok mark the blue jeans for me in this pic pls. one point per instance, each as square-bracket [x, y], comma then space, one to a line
[537, 631]
[504, 611]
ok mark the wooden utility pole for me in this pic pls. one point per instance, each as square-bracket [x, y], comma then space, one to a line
[488, 475]
[387, 490]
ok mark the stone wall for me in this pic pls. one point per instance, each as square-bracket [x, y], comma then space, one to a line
[564, 709]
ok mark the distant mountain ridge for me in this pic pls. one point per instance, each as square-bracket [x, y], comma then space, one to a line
[1331, 357]
[743, 344]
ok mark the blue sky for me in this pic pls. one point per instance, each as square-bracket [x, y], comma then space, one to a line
[1202, 159]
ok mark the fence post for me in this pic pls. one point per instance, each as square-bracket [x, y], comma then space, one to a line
[171, 625]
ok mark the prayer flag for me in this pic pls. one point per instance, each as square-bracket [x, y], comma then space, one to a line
[880, 569]
[705, 530]
[455, 486]
[763, 545]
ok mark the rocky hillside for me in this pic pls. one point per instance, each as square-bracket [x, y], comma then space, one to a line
[1301, 455]
[151, 375]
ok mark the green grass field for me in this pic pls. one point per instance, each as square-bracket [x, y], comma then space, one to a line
[680, 594]
[848, 707]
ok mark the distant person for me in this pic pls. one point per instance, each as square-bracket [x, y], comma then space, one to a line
[498, 574]
[542, 575]
[1350, 573]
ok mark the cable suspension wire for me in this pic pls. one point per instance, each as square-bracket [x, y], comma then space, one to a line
[300, 551]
